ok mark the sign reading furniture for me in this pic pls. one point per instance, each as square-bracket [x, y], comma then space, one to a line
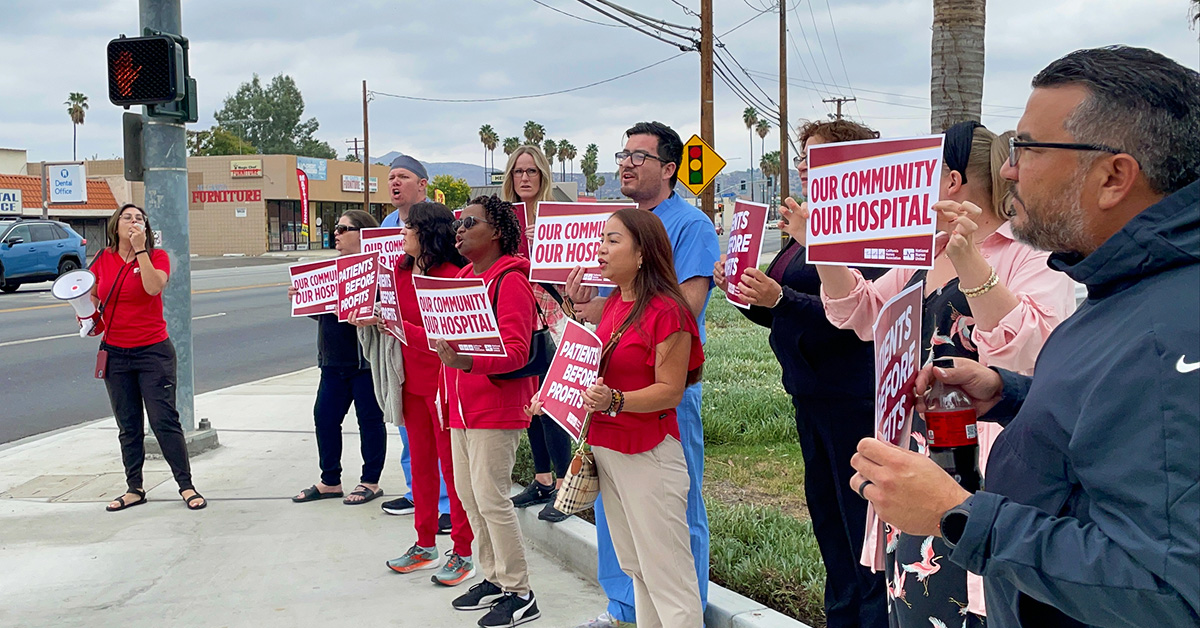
[245, 168]
[226, 196]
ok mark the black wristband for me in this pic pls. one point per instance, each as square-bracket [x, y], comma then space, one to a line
[140, 252]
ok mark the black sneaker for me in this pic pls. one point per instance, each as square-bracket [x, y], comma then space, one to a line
[402, 506]
[552, 514]
[510, 611]
[480, 596]
[535, 493]
[444, 524]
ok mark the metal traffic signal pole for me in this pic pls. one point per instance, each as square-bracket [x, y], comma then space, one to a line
[164, 151]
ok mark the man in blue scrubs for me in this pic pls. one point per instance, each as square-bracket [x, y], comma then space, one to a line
[648, 168]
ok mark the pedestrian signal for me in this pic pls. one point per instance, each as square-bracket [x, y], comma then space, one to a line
[145, 71]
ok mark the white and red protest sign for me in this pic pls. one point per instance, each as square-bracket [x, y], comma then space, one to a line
[316, 287]
[356, 279]
[459, 311]
[871, 202]
[389, 304]
[568, 235]
[747, 229]
[387, 241]
[575, 366]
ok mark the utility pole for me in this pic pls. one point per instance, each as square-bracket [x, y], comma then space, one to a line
[783, 98]
[353, 142]
[366, 159]
[840, 102]
[708, 196]
[164, 152]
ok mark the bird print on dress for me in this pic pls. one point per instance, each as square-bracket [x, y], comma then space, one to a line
[895, 590]
[927, 566]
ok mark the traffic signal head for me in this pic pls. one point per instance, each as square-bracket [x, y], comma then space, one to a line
[145, 71]
[695, 165]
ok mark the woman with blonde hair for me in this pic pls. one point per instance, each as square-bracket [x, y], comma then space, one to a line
[527, 179]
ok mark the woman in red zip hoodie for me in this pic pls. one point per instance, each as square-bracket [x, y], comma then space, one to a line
[429, 247]
[487, 414]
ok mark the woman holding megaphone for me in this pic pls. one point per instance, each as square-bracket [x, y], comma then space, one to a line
[137, 359]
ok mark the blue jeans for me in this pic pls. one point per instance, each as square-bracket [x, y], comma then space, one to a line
[406, 464]
[617, 586]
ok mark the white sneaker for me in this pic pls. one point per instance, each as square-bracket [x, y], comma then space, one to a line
[606, 621]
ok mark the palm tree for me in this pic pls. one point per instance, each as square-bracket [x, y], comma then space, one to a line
[487, 135]
[750, 117]
[770, 169]
[588, 166]
[534, 133]
[511, 144]
[550, 148]
[762, 128]
[566, 152]
[956, 62]
[76, 108]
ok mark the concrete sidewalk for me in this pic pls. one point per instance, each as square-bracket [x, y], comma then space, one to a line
[252, 558]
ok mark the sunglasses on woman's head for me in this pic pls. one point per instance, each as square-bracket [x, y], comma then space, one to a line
[468, 222]
[340, 229]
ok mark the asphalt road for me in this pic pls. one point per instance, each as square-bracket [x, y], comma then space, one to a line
[241, 331]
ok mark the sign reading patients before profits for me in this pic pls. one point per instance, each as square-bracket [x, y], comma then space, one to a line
[460, 312]
[356, 279]
[871, 202]
[700, 165]
[575, 367]
[316, 287]
[68, 183]
[567, 235]
[747, 230]
[389, 303]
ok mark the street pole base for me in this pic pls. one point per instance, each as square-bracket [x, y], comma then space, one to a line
[198, 442]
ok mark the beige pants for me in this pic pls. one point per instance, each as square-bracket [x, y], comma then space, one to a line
[483, 464]
[645, 500]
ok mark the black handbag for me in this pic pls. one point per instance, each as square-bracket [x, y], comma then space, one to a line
[541, 343]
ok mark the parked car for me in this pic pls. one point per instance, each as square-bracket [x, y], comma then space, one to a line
[33, 250]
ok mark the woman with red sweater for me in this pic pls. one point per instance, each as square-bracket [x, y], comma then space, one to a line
[429, 251]
[487, 413]
[652, 352]
[140, 372]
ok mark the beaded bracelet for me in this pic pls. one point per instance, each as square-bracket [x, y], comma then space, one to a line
[617, 403]
[981, 290]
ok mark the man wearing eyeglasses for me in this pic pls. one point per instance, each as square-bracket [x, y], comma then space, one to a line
[1091, 513]
[648, 168]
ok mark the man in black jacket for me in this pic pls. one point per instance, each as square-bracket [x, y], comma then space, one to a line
[1091, 514]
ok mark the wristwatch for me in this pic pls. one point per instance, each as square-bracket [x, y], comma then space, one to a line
[954, 523]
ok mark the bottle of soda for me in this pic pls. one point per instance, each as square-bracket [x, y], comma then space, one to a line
[950, 430]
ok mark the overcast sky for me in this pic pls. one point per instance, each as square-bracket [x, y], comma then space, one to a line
[469, 49]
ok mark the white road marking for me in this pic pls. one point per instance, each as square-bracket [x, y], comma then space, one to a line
[76, 335]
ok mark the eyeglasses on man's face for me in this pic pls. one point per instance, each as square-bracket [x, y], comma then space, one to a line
[637, 157]
[529, 172]
[340, 229]
[467, 222]
[1015, 146]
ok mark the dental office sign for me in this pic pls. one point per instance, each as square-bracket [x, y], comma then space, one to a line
[10, 202]
[67, 183]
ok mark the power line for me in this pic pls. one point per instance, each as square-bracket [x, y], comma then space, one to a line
[820, 43]
[686, 9]
[691, 44]
[581, 19]
[795, 82]
[554, 93]
[652, 21]
[842, 59]
[807, 46]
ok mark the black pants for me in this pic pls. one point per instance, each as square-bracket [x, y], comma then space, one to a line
[338, 388]
[829, 434]
[549, 443]
[144, 378]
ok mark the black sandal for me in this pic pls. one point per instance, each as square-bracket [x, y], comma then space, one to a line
[191, 500]
[312, 494]
[136, 491]
[365, 493]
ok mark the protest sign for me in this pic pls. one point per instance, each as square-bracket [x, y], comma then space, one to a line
[387, 241]
[389, 303]
[747, 229]
[871, 202]
[567, 236]
[574, 368]
[460, 311]
[356, 279]
[316, 287]
[897, 351]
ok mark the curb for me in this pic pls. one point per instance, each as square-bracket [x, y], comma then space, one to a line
[573, 542]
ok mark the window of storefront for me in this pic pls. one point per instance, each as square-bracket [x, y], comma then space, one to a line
[283, 225]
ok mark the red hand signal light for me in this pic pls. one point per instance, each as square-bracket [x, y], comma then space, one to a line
[125, 72]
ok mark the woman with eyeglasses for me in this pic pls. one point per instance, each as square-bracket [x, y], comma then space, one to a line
[139, 373]
[486, 412]
[528, 180]
[988, 298]
[345, 379]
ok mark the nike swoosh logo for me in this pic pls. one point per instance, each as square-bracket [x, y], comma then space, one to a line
[1186, 367]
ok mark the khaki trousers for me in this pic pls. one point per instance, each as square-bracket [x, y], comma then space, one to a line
[483, 464]
[645, 500]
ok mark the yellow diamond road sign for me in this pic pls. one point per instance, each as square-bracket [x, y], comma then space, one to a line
[700, 165]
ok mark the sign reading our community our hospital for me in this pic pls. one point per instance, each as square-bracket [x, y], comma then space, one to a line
[67, 183]
[460, 312]
[871, 202]
[316, 287]
[387, 241]
[567, 236]
[575, 367]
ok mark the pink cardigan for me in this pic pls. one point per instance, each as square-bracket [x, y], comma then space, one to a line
[1046, 298]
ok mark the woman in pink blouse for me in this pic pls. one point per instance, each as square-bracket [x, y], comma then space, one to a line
[987, 298]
